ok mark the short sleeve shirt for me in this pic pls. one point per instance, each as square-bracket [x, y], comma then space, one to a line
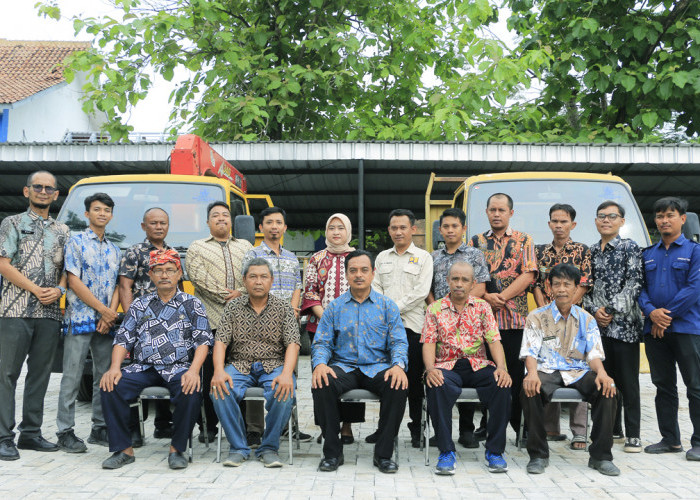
[135, 266]
[443, 260]
[35, 248]
[285, 270]
[576, 254]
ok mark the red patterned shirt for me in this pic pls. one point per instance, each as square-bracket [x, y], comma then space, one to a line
[324, 281]
[460, 335]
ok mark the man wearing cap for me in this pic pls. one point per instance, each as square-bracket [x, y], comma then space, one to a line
[166, 330]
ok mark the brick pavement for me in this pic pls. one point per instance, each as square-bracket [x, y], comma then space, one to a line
[60, 475]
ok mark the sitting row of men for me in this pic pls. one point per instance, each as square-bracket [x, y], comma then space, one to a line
[369, 328]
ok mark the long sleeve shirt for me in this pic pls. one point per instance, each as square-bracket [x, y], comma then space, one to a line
[406, 280]
[672, 281]
[617, 281]
[368, 335]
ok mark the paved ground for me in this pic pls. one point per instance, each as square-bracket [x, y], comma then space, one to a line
[60, 475]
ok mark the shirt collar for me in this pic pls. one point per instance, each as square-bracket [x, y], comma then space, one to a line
[446, 303]
[148, 244]
[556, 315]
[615, 241]
[373, 296]
[35, 216]
[211, 238]
[509, 232]
[568, 244]
[680, 241]
[411, 249]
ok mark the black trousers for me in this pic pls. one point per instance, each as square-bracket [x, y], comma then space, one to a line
[442, 399]
[115, 406]
[622, 364]
[393, 405]
[603, 413]
[663, 354]
[415, 377]
[212, 418]
[511, 340]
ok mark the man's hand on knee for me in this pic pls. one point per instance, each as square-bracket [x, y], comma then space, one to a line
[319, 378]
[399, 380]
[110, 378]
[434, 377]
[532, 384]
[218, 383]
[190, 381]
[284, 384]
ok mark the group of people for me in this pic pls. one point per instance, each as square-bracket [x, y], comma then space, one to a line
[405, 326]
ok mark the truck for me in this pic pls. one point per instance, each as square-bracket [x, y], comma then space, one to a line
[197, 175]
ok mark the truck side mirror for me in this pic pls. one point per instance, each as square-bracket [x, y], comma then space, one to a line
[438, 240]
[691, 228]
[244, 228]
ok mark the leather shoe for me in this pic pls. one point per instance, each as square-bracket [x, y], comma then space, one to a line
[605, 467]
[36, 443]
[385, 465]
[537, 465]
[136, 439]
[164, 433]
[372, 438]
[693, 454]
[176, 460]
[480, 434]
[662, 447]
[8, 450]
[331, 464]
[347, 439]
[468, 440]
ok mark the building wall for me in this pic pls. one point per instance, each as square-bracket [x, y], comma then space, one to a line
[47, 116]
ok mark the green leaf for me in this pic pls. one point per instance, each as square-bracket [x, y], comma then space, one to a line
[680, 79]
[628, 82]
[650, 118]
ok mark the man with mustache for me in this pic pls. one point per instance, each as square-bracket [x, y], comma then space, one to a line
[31, 264]
[360, 343]
[170, 337]
[214, 268]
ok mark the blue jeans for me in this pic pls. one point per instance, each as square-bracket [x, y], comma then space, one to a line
[229, 412]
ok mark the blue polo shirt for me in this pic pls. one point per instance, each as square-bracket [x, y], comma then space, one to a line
[672, 281]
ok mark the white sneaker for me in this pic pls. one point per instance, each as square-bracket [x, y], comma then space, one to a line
[632, 445]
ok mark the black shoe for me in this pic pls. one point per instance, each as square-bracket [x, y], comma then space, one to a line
[164, 433]
[415, 440]
[8, 450]
[432, 442]
[480, 434]
[36, 443]
[385, 465]
[211, 435]
[468, 440]
[70, 443]
[331, 464]
[176, 460]
[301, 436]
[117, 460]
[98, 436]
[537, 465]
[136, 439]
[254, 439]
[372, 438]
[662, 447]
[347, 439]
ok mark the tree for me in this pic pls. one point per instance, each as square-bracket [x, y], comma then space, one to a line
[303, 69]
[621, 69]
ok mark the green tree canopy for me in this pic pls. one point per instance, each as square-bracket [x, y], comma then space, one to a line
[403, 70]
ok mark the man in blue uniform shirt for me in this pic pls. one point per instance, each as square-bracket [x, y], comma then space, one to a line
[670, 301]
[360, 343]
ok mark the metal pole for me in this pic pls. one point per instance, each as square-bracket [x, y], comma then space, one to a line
[361, 204]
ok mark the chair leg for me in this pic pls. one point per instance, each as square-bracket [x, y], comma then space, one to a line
[191, 449]
[295, 416]
[290, 426]
[218, 443]
[426, 433]
[141, 426]
[522, 430]
[204, 426]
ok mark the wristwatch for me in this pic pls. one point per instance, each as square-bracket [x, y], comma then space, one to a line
[63, 290]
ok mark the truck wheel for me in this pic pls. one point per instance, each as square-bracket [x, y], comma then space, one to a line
[305, 342]
[85, 390]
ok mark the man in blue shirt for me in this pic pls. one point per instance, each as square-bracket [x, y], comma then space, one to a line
[360, 343]
[170, 337]
[670, 301]
[92, 265]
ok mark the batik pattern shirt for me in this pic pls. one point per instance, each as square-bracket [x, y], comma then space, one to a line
[567, 345]
[617, 282]
[251, 337]
[96, 263]
[285, 270]
[135, 266]
[576, 254]
[324, 280]
[460, 335]
[508, 257]
[443, 260]
[406, 280]
[34, 246]
[163, 335]
[368, 335]
[213, 267]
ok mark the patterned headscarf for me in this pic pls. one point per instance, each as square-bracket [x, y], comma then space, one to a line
[160, 257]
[345, 246]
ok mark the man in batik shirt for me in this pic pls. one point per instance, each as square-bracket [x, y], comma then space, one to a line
[170, 336]
[511, 258]
[455, 331]
[562, 348]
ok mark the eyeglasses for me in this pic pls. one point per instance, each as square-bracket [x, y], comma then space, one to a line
[38, 188]
[166, 272]
[610, 217]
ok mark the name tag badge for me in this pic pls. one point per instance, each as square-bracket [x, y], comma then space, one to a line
[27, 231]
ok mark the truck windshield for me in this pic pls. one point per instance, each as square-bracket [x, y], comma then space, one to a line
[185, 203]
[533, 198]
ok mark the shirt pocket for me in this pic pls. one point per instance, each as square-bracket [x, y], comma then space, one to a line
[385, 268]
[650, 273]
[412, 268]
[680, 270]
[377, 334]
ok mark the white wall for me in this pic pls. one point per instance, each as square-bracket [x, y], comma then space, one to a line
[49, 115]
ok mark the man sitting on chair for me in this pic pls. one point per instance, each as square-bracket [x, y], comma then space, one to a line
[454, 333]
[360, 342]
[166, 330]
[258, 339]
[562, 348]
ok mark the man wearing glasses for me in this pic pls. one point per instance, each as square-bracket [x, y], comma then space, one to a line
[616, 272]
[31, 264]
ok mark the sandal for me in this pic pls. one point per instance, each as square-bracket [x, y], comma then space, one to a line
[576, 443]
